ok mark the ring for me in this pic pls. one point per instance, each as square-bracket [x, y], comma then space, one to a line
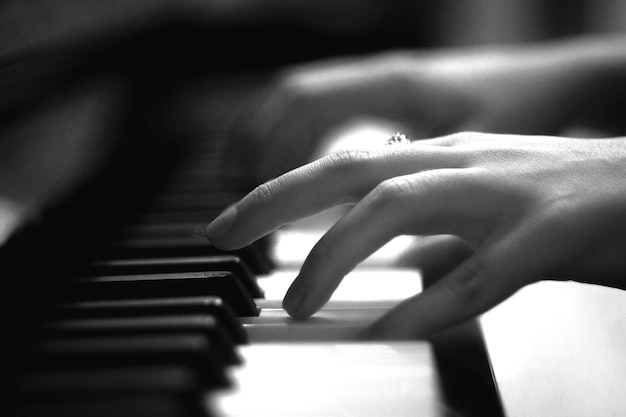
[398, 139]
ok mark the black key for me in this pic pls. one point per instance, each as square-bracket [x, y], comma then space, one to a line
[177, 230]
[150, 404]
[254, 255]
[174, 200]
[223, 284]
[170, 379]
[193, 350]
[213, 306]
[120, 326]
[169, 265]
[165, 225]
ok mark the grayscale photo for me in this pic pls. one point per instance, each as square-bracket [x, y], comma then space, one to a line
[313, 208]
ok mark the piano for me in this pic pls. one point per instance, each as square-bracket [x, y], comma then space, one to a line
[116, 305]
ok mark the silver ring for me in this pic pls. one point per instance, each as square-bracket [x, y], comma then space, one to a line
[398, 139]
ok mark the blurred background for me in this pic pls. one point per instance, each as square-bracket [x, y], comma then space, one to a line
[335, 25]
[102, 100]
[78, 76]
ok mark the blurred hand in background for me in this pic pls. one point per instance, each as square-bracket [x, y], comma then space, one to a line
[526, 89]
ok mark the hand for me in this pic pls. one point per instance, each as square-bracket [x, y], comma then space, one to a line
[531, 208]
[523, 90]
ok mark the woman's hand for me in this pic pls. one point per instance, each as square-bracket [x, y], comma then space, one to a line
[530, 207]
[538, 89]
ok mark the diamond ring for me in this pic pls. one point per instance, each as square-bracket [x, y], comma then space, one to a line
[398, 139]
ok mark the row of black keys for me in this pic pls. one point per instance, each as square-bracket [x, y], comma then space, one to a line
[131, 337]
[145, 323]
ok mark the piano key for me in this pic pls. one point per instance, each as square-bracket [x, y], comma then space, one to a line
[229, 263]
[223, 284]
[194, 350]
[119, 326]
[178, 229]
[254, 256]
[153, 405]
[213, 306]
[364, 379]
[134, 379]
[181, 201]
[148, 217]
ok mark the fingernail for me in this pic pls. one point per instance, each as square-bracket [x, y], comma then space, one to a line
[221, 225]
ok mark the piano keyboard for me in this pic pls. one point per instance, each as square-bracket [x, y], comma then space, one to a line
[145, 318]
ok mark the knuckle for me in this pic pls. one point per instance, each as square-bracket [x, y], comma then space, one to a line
[320, 253]
[458, 250]
[460, 138]
[346, 160]
[471, 284]
[392, 191]
[264, 192]
[395, 187]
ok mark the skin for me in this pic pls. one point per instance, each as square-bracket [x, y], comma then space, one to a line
[501, 210]
[524, 89]
[529, 207]
[513, 209]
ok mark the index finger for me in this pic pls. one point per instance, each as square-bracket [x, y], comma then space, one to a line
[338, 178]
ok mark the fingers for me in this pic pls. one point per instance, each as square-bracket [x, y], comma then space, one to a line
[433, 202]
[481, 282]
[435, 256]
[339, 178]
